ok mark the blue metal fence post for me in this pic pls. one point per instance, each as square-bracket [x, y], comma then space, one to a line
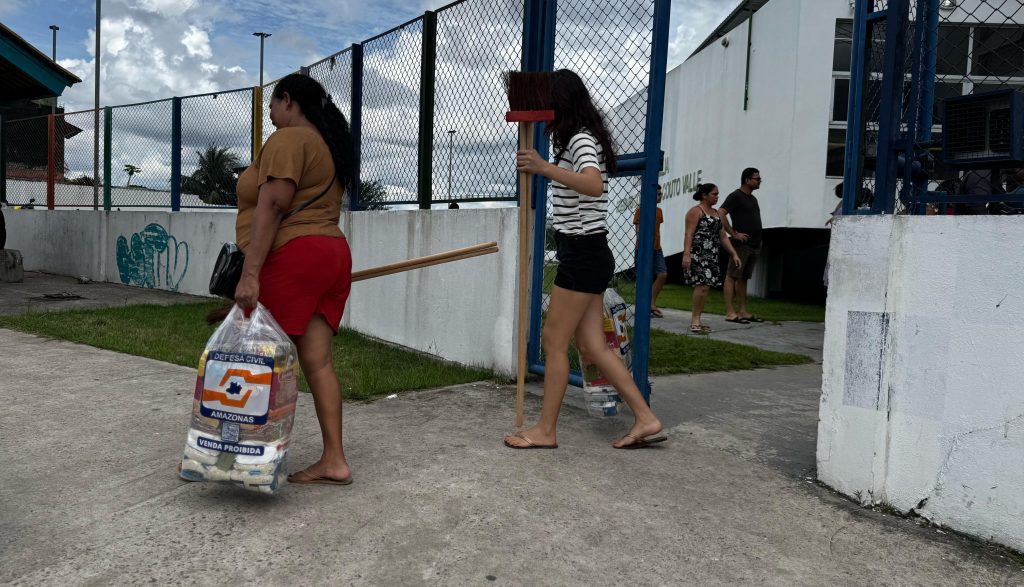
[538, 54]
[176, 154]
[356, 124]
[853, 171]
[890, 117]
[648, 197]
[3, 161]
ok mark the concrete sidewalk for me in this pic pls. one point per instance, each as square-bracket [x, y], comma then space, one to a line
[91, 439]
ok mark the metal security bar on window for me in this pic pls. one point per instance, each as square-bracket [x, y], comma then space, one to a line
[141, 138]
[216, 146]
[473, 147]
[391, 104]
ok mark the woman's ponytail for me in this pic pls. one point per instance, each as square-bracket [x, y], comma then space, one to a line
[703, 189]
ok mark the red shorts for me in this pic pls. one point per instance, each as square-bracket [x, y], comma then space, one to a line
[307, 275]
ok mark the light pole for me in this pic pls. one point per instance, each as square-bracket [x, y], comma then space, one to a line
[263, 36]
[451, 149]
[54, 28]
[96, 117]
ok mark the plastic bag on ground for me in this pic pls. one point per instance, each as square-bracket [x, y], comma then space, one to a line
[244, 404]
[601, 398]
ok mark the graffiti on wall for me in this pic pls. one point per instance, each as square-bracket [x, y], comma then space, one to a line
[152, 258]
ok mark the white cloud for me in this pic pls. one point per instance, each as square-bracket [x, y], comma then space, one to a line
[692, 21]
[197, 43]
[8, 7]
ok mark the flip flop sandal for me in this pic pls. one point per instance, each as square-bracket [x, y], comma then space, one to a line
[738, 320]
[699, 330]
[529, 443]
[755, 319]
[643, 442]
[304, 478]
[657, 314]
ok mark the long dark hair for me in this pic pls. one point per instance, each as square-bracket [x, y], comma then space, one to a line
[575, 111]
[318, 108]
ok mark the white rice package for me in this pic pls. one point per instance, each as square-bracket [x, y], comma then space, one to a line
[601, 397]
[244, 404]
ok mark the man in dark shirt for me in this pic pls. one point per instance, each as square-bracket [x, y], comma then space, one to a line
[745, 229]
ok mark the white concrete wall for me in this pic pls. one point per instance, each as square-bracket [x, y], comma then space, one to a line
[462, 311]
[922, 402]
[709, 137]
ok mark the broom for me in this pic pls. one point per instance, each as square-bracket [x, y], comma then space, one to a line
[530, 102]
[217, 314]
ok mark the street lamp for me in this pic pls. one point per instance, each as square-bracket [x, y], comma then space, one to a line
[54, 28]
[451, 148]
[263, 37]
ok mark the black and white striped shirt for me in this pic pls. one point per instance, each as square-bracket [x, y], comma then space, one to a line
[573, 212]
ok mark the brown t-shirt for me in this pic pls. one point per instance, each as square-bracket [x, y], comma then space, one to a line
[301, 155]
[658, 219]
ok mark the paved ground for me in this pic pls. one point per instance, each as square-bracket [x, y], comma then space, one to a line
[90, 494]
[42, 292]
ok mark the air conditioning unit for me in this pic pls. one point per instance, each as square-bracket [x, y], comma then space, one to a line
[984, 130]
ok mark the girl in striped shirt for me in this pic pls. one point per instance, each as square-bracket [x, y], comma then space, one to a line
[584, 157]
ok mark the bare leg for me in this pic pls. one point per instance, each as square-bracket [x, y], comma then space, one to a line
[700, 296]
[591, 341]
[318, 367]
[728, 290]
[659, 282]
[741, 298]
[564, 314]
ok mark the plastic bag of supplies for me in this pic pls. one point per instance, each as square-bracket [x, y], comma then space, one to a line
[244, 404]
[601, 397]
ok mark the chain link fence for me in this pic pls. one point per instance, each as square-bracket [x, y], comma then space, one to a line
[391, 108]
[74, 170]
[26, 155]
[462, 150]
[473, 156]
[216, 146]
[141, 139]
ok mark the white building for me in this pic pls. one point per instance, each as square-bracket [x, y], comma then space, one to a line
[769, 89]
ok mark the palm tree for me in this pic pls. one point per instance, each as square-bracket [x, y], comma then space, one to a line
[131, 170]
[214, 180]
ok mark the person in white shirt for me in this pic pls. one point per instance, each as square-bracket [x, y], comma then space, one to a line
[584, 157]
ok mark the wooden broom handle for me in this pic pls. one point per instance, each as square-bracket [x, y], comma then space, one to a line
[522, 309]
[453, 255]
[422, 262]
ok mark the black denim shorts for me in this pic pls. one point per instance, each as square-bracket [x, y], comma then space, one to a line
[585, 263]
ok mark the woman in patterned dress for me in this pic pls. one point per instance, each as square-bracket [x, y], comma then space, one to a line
[704, 235]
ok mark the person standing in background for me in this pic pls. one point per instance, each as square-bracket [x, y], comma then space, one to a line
[745, 229]
[660, 267]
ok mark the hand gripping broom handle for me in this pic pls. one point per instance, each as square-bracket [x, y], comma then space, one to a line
[525, 199]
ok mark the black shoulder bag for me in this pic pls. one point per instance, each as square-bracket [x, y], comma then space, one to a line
[227, 269]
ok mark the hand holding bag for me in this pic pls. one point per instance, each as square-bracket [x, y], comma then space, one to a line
[227, 269]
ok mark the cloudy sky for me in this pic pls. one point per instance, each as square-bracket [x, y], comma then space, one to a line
[158, 48]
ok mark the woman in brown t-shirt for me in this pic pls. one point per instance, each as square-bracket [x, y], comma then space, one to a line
[300, 267]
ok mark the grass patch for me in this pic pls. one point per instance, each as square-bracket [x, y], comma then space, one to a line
[673, 354]
[680, 297]
[177, 334]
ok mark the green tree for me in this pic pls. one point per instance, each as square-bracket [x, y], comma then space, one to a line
[214, 180]
[372, 195]
[131, 170]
